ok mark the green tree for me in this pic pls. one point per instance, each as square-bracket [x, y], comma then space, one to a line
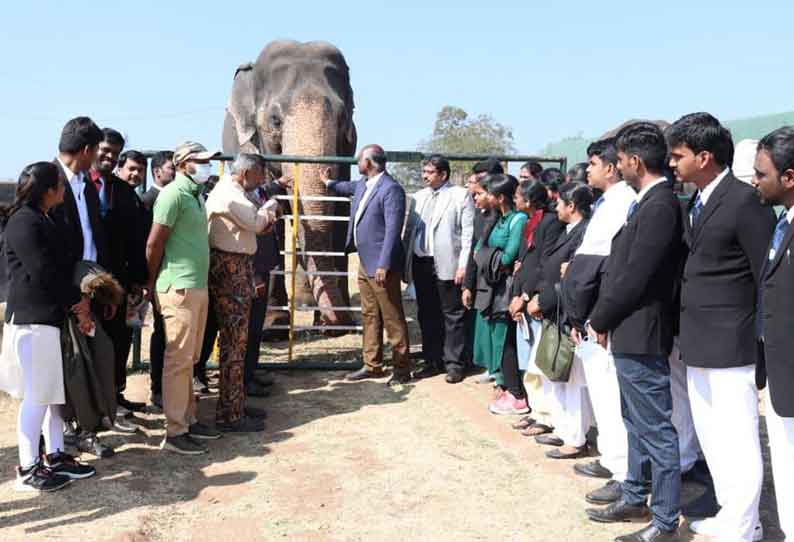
[454, 132]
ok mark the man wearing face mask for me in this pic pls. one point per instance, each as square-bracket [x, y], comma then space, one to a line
[178, 258]
[234, 223]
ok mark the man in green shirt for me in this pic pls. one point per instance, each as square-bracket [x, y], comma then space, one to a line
[177, 254]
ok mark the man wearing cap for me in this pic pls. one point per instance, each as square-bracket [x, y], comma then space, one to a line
[178, 258]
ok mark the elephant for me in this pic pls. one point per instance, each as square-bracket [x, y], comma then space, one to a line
[296, 99]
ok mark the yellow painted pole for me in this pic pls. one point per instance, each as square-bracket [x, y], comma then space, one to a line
[295, 226]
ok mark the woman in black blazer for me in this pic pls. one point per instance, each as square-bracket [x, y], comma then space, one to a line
[40, 298]
[572, 419]
[542, 229]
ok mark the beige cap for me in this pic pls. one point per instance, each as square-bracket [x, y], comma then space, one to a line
[192, 150]
[744, 159]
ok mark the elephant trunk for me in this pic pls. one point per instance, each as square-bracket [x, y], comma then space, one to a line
[311, 129]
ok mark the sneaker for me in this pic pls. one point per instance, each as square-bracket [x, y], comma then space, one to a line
[66, 465]
[203, 432]
[123, 426]
[245, 425]
[122, 412]
[199, 386]
[711, 527]
[183, 444]
[508, 405]
[39, 478]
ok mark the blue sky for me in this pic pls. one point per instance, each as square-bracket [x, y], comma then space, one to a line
[161, 71]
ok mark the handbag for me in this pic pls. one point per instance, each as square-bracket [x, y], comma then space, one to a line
[555, 351]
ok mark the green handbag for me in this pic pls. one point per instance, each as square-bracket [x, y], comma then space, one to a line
[555, 351]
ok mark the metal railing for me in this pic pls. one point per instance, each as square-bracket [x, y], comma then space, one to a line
[294, 250]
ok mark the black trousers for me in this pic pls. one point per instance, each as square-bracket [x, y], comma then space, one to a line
[255, 324]
[121, 336]
[442, 317]
[157, 354]
[210, 334]
[513, 377]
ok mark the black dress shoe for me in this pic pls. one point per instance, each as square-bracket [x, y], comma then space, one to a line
[132, 406]
[607, 494]
[549, 440]
[594, 469]
[428, 371]
[255, 390]
[399, 378]
[363, 374]
[454, 376]
[264, 379]
[253, 412]
[557, 454]
[89, 443]
[619, 512]
[650, 533]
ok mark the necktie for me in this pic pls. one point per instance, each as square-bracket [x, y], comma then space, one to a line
[632, 209]
[777, 238]
[427, 220]
[694, 212]
[598, 203]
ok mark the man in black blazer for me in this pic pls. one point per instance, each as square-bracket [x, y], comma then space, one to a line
[727, 232]
[774, 178]
[79, 222]
[124, 224]
[635, 306]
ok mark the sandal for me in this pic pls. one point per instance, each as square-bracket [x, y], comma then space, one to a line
[537, 429]
[524, 423]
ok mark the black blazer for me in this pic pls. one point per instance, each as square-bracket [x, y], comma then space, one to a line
[40, 287]
[723, 266]
[531, 258]
[776, 364]
[636, 298]
[67, 220]
[561, 251]
[125, 223]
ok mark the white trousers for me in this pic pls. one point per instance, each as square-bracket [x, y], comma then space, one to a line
[688, 445]
[725, 411]
[781, 449]
[572, 414]
[602, 386]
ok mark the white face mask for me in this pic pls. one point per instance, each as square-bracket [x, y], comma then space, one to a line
[201, 173]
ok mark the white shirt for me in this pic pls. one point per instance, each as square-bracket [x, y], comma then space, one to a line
[571, 226]
[607, 220]
[706, 193]
[77, 184]
[371, 182]
[418, 249]
[647, 189]
[790, 215]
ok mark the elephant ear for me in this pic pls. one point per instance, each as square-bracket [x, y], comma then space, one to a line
[241, 106]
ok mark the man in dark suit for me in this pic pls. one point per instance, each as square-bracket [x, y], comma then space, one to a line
[79, 221]
[727, 231]
[635, 305]
[123, 222]
[163, 172]
[377, 215]
[774, 178]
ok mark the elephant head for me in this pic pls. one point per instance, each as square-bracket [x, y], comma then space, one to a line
[296, 99]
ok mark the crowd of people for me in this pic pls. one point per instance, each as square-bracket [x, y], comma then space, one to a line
[596, 298]
[604, 298]
[87, 252]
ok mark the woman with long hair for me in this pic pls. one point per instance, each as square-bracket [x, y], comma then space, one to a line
[541, 230]
[494, 277]
[40, 298]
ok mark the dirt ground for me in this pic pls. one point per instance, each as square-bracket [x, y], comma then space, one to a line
[338, 462]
